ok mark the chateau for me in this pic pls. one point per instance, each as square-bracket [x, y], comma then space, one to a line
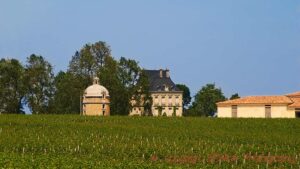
[285, 106]
[166, 97]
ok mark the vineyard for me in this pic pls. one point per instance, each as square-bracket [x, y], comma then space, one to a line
[63, 141]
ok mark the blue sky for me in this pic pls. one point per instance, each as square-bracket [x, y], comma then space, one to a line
[247, 46]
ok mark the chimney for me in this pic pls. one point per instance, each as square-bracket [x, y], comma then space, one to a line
[161, 73]
[167, 73]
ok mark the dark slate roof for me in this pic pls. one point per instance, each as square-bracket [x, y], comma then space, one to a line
[157, 83]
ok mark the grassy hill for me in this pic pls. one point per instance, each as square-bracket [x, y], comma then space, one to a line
[63, 141]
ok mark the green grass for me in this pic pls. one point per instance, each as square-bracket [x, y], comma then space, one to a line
[62, 141]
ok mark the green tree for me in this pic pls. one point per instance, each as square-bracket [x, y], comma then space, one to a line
[129, 74]
[235, 96]
[89, 59]
[68, 90]
[124, 78]
[142, 93]
[12, 88]
[206, 99]
[126, 81]
[100, 50]
[109, 78]
[39, 80]
[84, 65]
[186, 94]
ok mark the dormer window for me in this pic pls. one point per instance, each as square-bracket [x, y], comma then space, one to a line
[166, 88]
[103, 94]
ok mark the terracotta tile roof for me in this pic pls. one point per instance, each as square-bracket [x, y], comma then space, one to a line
[296, 94]
[258, 100]
[296, 103]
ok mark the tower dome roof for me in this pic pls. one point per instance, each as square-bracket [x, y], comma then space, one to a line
[96, 90]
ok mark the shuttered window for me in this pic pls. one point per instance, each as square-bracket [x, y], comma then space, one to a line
[177, 100]
[155, 100]
[170, 101]
[163, 100]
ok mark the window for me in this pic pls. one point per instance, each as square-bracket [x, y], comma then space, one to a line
[170, 101]
[163, 100]
[177, 101]
[234, 111]
[156, 100]
[268, 111]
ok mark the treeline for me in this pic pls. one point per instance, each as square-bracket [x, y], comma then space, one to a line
[36, 85]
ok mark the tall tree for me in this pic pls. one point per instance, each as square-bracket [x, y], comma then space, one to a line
[68, 90]
[142, 93]
[206, 99]
[12, 88]
[89, 59]
[84, 65]
[126, 81]
[186, 94]
[100, 50]
[122, 78]
[135, 82]
[39, 80]
[235, 96]
[109, 78]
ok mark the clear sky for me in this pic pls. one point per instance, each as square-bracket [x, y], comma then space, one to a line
[247, 46]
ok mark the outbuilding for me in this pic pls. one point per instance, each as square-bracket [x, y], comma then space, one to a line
[285, 106]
